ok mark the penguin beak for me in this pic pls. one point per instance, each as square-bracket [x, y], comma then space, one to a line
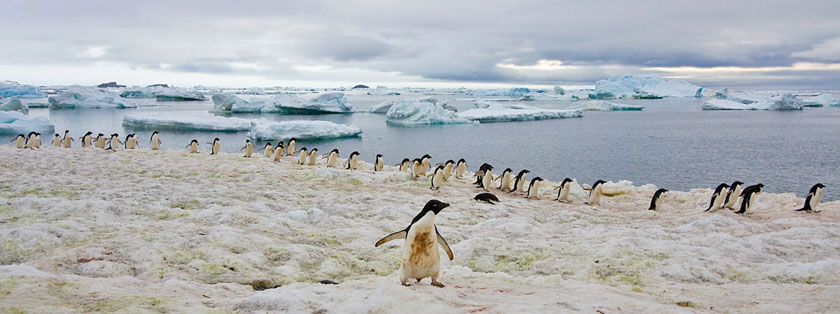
[444, 205]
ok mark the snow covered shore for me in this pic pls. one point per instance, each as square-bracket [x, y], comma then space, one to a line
[169, 231]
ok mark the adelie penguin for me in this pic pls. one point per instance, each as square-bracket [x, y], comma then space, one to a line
[87, 140]
[425, 163]
[534, 188]
[33, 141]
[657, 199]
[732, 195]
[487, 198]
[417, 168]
[302, 155]
[154, 141]
[130, 141]
[268, 150]
[405, 165]
[100, 141]
[193, 145]
[278, 152]
[487, 178]
[420, 257]
[595, 193]
[748, 197]
[20, 141]
[332, 157]
[563, 190]
[353, 161]
[114, 142]
[504, 185]
[437, 178]
[460, 168]
[248, 148]
[813, 199]
[56, 140]
[519, 181]
[717, 198]
[378, 163]
[447, 169]
[480, 173]
[290, 149]
[313, 157]
[67, 141]
[214, 146]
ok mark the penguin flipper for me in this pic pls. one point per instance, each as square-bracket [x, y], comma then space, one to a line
[442, 242]
[391, 237]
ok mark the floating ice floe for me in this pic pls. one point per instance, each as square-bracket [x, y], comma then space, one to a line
[382, 107]
[230, 103]
[643, 87]
[263, 129]
[260, 129]
[422, 111]
[16, 122]
[515, 92]
[12, 89]
[161, 93]
[487, 111]
[821, 100]
[158, 121]
[603, 105]
[14, 104]
[284, 104]
[778, 102]
[87, 97]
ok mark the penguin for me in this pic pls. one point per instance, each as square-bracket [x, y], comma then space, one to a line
[437, 178]
[519, 181]
[504, 185]
[487, 178]
[378, 163]
[126, 142]
[19, 140]
[100, 141]
[353, 161]
[487, 198]
[67, 141]
[417, 168]
[56, 140]
[420, 258]
[732, 195]
[331, 158]
[154, 141]
[313, 156]
[193, 145]
[460, 168]
[302, 155]
[479, 175]
[290, 149]
[813, 199]
[717, 198]
[87, 139]
[248, 148]
[425, 164]
[405, 165]
[131, 141]
[595, 193]
[278, 153]
[268, 150]
[33, 141]
[748, 196]
[214, 146]
[657, 199]
[534, 188]
[447, 169]
[114, 142]
[563, 191]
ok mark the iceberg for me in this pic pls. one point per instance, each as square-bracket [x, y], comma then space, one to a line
[12, 89]
[264, 129]
[16, 122]
[821, 100]
[486, 111]
[158, 121]
[602, 105]
[283, 104]
[515, 92]
[777, 102]
[230, 103]
[382, 107]
[421, 111]
[643, 87]
[87, 97]
[14, 104]
[162, 93]
[725, 104]
[742, 97]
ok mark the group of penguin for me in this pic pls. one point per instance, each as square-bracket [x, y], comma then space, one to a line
[721, 200]
[33, 141]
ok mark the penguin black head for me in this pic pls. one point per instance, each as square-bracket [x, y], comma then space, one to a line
[56, 135]
[155, 132]
[440, 167]
[334, 151]
[314, 150]
[819, 185]
[268, 144]
[354, 154]
[280, 145]
[507, 170]
[378, 155]
[292, 140]
[534, 180]
[303, 149]
[89, 133]
[20, 135]
[247, 141]
[660, 191]
[417, 160]
[30, 134]
[406, 160]
[736, 183]
[115, 134]
[461, 160]
[194, 141]
[100, 135]
[450, 161]
[426, 156]
[760, 186]
[565, 181]
[66, 131]
[216, 139]
[597, 183]
[435, 206]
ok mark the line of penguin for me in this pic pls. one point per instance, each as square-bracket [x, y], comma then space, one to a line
[420, 258]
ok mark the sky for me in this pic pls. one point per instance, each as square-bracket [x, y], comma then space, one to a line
[738, 44]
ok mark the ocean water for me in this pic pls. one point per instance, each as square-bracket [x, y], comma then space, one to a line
[672, 143]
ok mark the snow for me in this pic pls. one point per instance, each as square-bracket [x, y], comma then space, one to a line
[162, 93]
[16, 122]
[14, 104]
[822, 100]
[284, 104]
[487, 111]
[169, 231]
[260, 129]
[422, 111]
[77, 97]
[777, 102]
[602, 105]
[263, 129]
[11, 89]
[161, 121]
[643, 86]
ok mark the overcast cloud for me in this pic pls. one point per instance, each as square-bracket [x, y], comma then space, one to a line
[794, 44]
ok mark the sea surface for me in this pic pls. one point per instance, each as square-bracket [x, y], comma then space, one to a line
[671, 143]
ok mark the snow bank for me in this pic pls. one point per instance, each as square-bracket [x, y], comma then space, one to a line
[602, 105]
[161, 93]
[263, 129]
[821, 100]
[422, 111]
[15, 122]
[778, 102]
[643, 86]
[13, 104]
[78, 97]
[487, 111]
[158, 121]
[12, 89]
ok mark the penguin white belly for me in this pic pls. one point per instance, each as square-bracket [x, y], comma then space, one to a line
[378, 165]
[447, 172]
[155, 143]
[312, 158]
[459, 171]
[331, 160]
[595, 197]
[437, 180]
[291, 149]
[56, 142]
[534, 191]
[249, 150]
[486, 180]
[278, 153]
[658, 202]
[505, 182]
[193, 148]
[269, 152]
[20, 142]
[353, 163]
[67, 142]
[815, 201]
[564, 193]
[733, 198]
[420, 257]
[302, 158]
[216, 148]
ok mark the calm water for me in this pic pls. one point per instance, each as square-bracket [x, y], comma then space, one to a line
[672, 143]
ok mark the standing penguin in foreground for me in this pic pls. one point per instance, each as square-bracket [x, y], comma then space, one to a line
[813, 199]
[290, 149]
[249, 148]
[353, 161]
[268, 150]
[302, 155]
[732, 195]
[67, 141]
[331, 158]
[595, 193]
[154, 141]
[447, 169]
[563, 192]
[56, 140]
[504, 185]
[748, 197]
[519, 181]
[534, 188]
[20, 141]
[87, 139]
[717, 198]
[405, 165]
[420, 258]
[193, 145]
[460, 168]
[313, 157]
[278, 153]
[378, 164]
[487, 178]
[437, 178]
[417, 168]
[425, 163]
[214, 146]
[657, 199]
[33, 141]
[114, 142]
[131, 141]
[99, 141]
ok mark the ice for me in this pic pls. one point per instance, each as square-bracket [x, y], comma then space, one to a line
[231, 103]
[487, 111]
[821, 100]
[159, 121]
[284, 104]
[515, 92]
[16, 122]
[12, 89]
[77, 97]
[263, 129]
[422, 111]
[382, 108]
[602, 105]
[777, 102]
[162, 93]
[643, 86]
[14, 104]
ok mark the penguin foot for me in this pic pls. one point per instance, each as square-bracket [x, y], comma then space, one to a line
[437, 284]
[405, 284]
